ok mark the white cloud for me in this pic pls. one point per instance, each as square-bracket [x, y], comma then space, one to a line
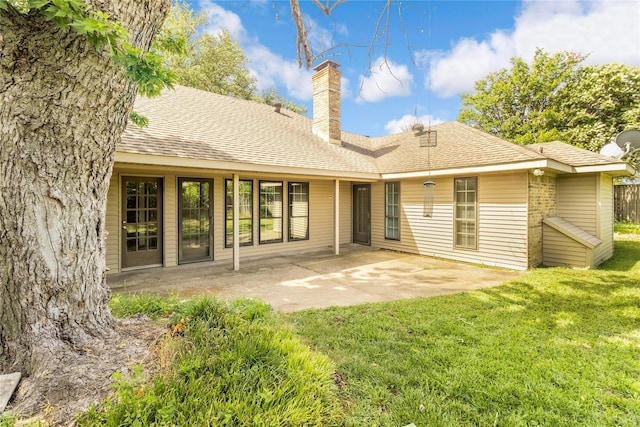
[606, 30]
[386, 79]
[269, 68]
[273, 70]
[345, 88]
[219, 19]
[456, 71]
[405, 122]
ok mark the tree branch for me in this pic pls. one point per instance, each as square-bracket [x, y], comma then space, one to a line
[302, 42]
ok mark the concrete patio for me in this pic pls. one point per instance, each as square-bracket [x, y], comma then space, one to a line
[360, 274]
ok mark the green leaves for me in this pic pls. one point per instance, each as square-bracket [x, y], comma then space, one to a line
[600, 102]
[215, 63]
[144, 68]
[138, 120]
[555, 98]
[518, 104]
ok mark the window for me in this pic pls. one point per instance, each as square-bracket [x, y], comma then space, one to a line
[466, 213]
[392, 210]
[270, 212]
[298, 211]
[245, 213]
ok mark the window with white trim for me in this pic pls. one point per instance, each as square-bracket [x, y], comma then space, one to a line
[466, 213]
[298, 211]
[270, 212]
[392, 210]
[245, 213]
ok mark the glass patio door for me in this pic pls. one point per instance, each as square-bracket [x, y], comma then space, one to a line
[141, 222]
[195, 216]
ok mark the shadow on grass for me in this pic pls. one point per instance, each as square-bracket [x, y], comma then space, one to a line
[554, 347]
[626, 257]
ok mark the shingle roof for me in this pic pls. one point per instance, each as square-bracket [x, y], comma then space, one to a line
[194, 124]
[458, 146]
[571, 155]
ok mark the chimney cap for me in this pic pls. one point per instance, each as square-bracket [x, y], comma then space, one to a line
[325, 64]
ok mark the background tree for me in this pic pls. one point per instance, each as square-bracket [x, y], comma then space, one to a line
[598, 103]
[556, 98]
[215, 63]
[520, 103]
[218, 64]
[272, 96]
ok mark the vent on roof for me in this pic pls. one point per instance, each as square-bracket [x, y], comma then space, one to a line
[277, 106]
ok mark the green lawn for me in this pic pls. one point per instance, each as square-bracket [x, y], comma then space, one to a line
[557, 347]
[224, 364]
[626, 228]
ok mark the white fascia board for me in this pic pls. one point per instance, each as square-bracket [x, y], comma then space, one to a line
[547, 164]
[170, 161]
[620, 169]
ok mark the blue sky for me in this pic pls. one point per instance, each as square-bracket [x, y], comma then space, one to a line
[434, 50]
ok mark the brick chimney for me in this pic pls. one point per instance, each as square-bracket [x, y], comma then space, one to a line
[326, 102]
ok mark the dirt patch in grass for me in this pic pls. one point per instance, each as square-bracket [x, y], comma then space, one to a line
[85, 374]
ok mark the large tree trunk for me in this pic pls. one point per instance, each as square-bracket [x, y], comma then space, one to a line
[63, 107]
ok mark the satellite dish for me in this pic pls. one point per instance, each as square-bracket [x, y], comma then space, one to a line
[632, 136]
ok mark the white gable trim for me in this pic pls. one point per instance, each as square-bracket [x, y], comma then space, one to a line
[552, 165]
[611, 168]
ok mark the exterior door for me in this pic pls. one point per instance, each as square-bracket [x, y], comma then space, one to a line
[362, 214]
[195, 216]
[141, 222]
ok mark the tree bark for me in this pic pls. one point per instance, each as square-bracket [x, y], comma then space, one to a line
[63, 107]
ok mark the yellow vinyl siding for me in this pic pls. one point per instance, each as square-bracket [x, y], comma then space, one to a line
[561, 251]
[377, 212]
[577, 196]
[112, 225]
[604, 251]
[502, 221]
[219, 217]
[587, 202]
[170, 221]
[346, 212]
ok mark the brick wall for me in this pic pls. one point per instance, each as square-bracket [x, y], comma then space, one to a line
[326, 102]
[542, 203]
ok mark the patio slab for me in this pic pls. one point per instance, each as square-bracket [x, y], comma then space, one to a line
[318, 279]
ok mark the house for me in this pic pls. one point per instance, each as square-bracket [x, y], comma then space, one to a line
[215, 178]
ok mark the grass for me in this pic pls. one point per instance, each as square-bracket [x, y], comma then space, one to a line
[554, 347]
[227, 364]
[626, 228]
[152, 306]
